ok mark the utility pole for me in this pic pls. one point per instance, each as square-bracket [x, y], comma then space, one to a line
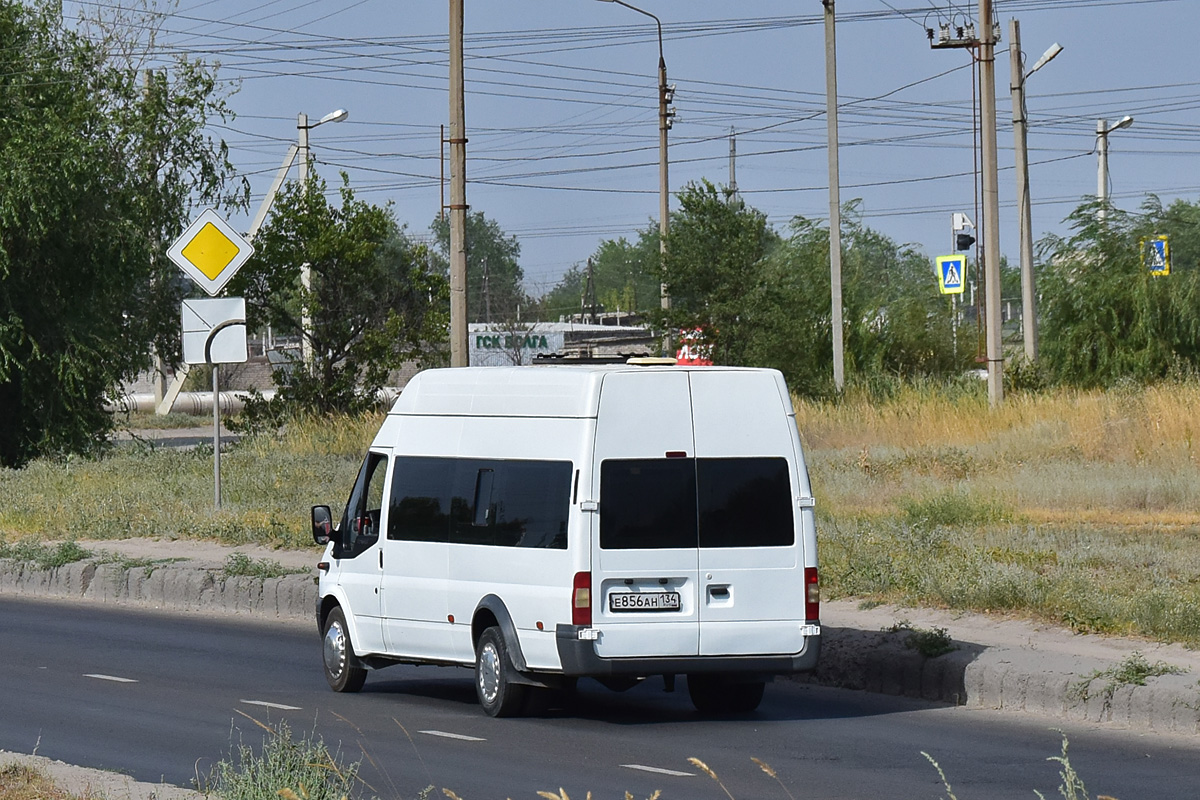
[487, 294]
[442, 173]
[588, 301]
[1102, 163]
[732, 190]
[1024, 213]
[1103, 129]
[1024, 203]
[835, 200]
[991, 203]
[665, 113]
[458, 193]
[302, 128]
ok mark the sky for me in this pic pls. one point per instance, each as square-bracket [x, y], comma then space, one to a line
[561, 108]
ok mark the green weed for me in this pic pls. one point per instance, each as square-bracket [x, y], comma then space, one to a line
[955, 508]
[131, 562]
[929, 642]
[242, 565]
[1133, 671]
[285, 767]
[44, 556]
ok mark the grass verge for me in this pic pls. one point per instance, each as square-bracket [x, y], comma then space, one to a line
[21, 782]
[268, 484]
[1081, 508]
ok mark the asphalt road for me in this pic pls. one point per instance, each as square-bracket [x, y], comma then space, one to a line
[162, 698]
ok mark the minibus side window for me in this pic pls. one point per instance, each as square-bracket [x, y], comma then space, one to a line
[474, 480]
[647, 503]
[531, 500]
[420, 499]
[359, 528]
[745, 502]
[511, 503]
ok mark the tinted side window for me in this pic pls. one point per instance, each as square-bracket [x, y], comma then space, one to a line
[359, 528]
[647, 503]
[472, 477]
[420, 499]
[530, 501]
[481, 501]
[745, 502]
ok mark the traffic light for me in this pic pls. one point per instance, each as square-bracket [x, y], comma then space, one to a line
[963, 241]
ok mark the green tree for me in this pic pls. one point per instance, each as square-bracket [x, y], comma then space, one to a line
[1103, 316]
[374, 304]
[713, 270]
[100, 167]
[624, 277]
[494, 273]
[895, 321]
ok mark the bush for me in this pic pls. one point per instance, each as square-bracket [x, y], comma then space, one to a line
[285, 768]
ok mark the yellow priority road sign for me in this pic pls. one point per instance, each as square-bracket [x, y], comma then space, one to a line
[210, 252]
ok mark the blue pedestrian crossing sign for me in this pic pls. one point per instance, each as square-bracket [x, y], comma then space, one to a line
[952, 273]
[1157, 256]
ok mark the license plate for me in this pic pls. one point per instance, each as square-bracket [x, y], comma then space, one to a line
[643, 601]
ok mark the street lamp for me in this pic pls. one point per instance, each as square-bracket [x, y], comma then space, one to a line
[1024, 211]
[1103, 129]
[302, 128]
[665, 115]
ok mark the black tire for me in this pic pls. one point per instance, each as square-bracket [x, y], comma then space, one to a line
[712, 694]
[342, 670]
[496, 694]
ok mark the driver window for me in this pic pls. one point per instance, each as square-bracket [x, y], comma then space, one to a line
[360, 524]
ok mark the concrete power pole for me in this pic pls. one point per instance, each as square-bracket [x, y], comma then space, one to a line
[306, 353]
[664, 192]
[732, 191]
[991, 203]
[835, 199]
[458, 193]
[1024, 212]
[1103, 129]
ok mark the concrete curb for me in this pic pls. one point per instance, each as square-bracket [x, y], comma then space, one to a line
[982, 674]
[165, 587]
[990, 677]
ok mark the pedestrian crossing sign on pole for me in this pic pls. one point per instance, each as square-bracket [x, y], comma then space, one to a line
[1157, 256]
[952, 273]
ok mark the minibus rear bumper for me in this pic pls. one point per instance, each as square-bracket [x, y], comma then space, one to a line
[578, 658]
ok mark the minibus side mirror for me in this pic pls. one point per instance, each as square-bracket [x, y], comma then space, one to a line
[322, 525]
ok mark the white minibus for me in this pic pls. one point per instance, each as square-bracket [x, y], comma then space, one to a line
[547, 523]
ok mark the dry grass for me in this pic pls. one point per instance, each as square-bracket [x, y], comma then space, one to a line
[20, 782]
[1078, 507]
[1118, 457]
[268, 484]
[1081, 507]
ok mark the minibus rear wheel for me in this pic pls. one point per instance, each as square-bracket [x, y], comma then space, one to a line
[497, 695]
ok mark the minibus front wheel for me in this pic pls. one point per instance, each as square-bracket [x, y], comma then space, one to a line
[342, 669]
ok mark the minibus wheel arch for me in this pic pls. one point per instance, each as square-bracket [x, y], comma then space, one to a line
[490, 612]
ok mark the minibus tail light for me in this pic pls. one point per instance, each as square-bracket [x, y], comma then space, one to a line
[581, 599]
[812, 595]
